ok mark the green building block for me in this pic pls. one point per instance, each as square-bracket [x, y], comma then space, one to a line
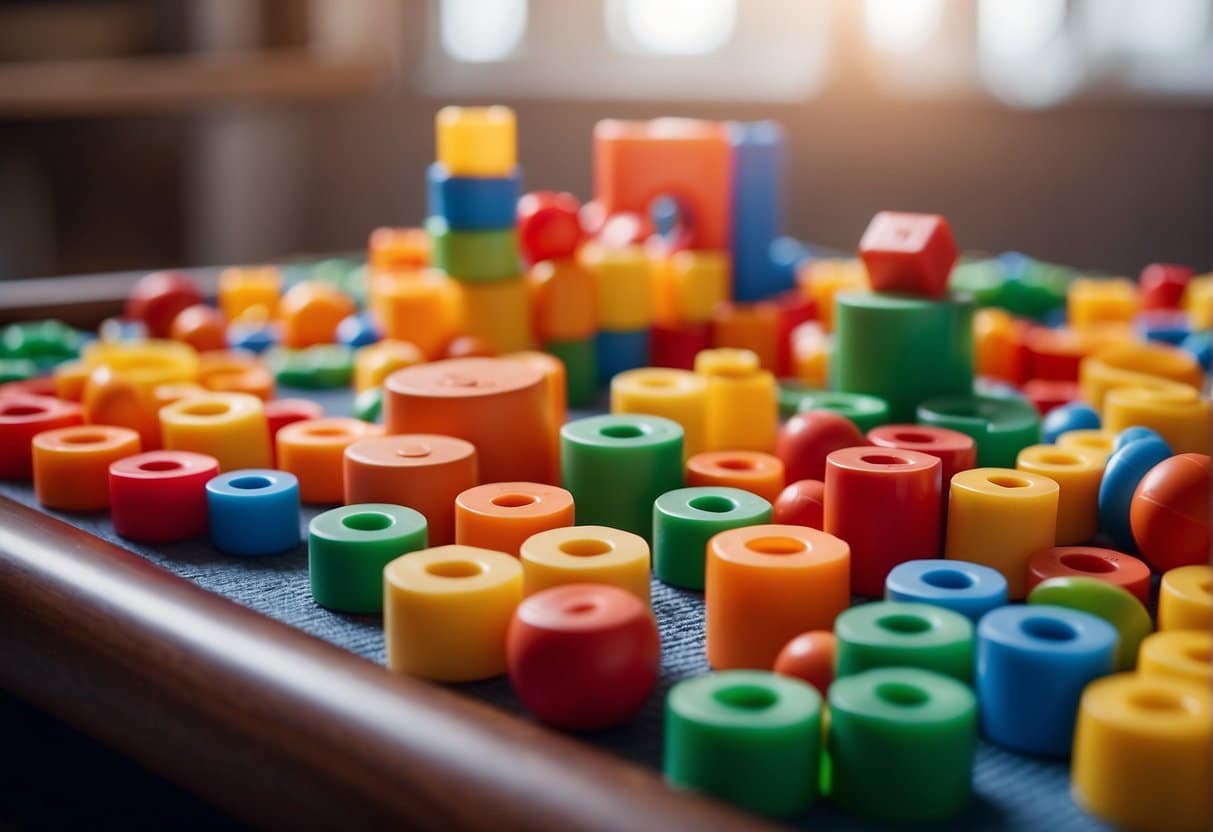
[1112, 603]
[580, 360]
[904, 634]
[474, 256]
[1001, 425]
[686, 518]
[865, 411]
[349, 547]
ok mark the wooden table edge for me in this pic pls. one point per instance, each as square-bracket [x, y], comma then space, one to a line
[280, 728]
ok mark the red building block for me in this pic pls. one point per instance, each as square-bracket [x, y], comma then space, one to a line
[1163, 285]
[908, 253]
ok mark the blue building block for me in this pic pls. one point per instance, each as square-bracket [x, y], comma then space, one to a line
[254, 511]
[473, 203]
[967, 588]
[620, 350]
[758, 208]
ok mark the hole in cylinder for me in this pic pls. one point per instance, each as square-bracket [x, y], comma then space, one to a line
[1198, 653]
[746, 697]
[1081, 562]
[883, 459]
[1156, 700]
[913, 437]
[1008, 481]
[947, 579]
[776, 545]
[657, 383]
[585, 547]
[736, 464]
[901, 694]
[580, 608]
[90, 438]
[160, 465]
[251, 483]
[904, 624]
[1048, 629]
[327, 432]
[1057, 458]
[514, 500]
[454, 569]
[714, 503]
[206, 409]
[21, 410]
[622, 431]
[369, 521]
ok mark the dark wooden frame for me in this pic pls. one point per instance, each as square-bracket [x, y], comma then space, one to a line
[270, 724]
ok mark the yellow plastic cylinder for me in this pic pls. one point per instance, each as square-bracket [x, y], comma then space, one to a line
[499, 312]
[1177, 413]
[422, 309]
[375, 362]
[1077, 473]
[245, 288]
[998, 517]
[623, 281]
[477, 141]
[228, 426]
[144, 363]
[1152, 365]
[824, 280]
[690, 285]
[679, 395]
[1198, 300]
[1182, 654]
[1185, 599]
[1100, 301]
[446, 611]
[586, 554]
[742, 401]
[1141, 753]
[1098, 442]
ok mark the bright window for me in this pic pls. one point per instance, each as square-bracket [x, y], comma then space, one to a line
[901, 26]
[482, 31]
[672, 27]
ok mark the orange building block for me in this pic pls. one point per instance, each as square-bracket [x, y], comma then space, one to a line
[313, 450]
[752, 471]
[71, 465]
[749, 326]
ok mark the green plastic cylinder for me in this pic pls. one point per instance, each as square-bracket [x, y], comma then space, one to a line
[580, 360]
[904, 634]
[902, 349]
[474, 256]
[902, 742]
[865, 411]
[349, 547]
[322, 367]
[748, 737]
[616, 466]
[685, 519]
[1001, 426]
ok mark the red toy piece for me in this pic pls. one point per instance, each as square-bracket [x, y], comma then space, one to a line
[800, 504]
[795, 308]
[810, 658]
[37, 386]
[157, 299]
[1163, 285]
[583, 656]
[548, 226]
[1106, 565]
[955, 451]
[21, 417]
[1047, 394]
[281, 412]
[677, 346]
[806, 439]
[202, 327]
[908, 253]
[1170, 513]
[160, 496]
[886, 504]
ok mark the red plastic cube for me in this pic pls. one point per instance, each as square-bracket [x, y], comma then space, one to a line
[1163, 285]
[908, 253]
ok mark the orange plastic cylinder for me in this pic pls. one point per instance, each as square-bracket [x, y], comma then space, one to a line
[564, 300]
[310, 312]
[71, 465]
[314, 451]
[502, 515]
[231, 427]
[999, 517]
[1178, 414]
[233, 371]
[749, 326]
[242, 289]
[1077, 474]
[678, 395]
[422, 309]
[586, 554]
[500, 406]
[425, 472]
[556, 377]
[767, 584]
[752, 471]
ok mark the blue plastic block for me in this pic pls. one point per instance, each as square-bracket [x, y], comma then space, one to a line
[1200, 345]
[1032, 664]
[967, 588]
[357, 331]
[619, 350]
[758, 208]
[1121, 474]
[473, 203]
[787, 254]
[254, 511]
[1068, 417]
[1132, 435]
[253, 339]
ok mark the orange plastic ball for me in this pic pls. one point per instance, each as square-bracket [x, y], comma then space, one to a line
[809, 657]
[202, 327]
[311, 312]
[469, 346]
[1169, 514]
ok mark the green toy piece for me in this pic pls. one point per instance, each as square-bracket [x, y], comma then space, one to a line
[322, 367]
[685, 519]
[904, 634]
[349, 547]
[1112, 603]
[474, 256]
[1001, 425]
[865, 411]
[580, 369]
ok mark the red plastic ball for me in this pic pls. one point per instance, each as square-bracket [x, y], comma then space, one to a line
[202, 327]
[1169, 514]
[809, 657]
[469, 346]
[548, 225]
[800, 504]
[158, 298]
[583, 656]
[808, 438]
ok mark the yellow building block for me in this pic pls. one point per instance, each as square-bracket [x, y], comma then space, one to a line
[690, 285]
[477, 141]
[679, 395]
[499, 312]
[1177, 413]
[421, 308]
[1099, 301]
[1077, 473]
[1153, 365]
[743, 401]
[823, 280]
[623, 281]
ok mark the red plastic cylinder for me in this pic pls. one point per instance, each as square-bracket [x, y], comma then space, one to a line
[884, 502]
[677, 346]
[1106, 565]
[954, 450]
[21, 417]
[1047, 393]
[160, 496]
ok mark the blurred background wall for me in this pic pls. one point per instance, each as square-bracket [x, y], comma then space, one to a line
[144, 133]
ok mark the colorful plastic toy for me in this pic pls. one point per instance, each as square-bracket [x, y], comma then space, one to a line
[1123, 471]
[810, 658]
[808, 438]
[1113, 604]
[502, 515]
[802, 503]
[160, 496]
[71, 464]
[966, 588]
[253, 511]
[22, 417]
[228, 426]
[678, 395]
[1169, 513]
[904, 634]
[685, 519]
[349, 547]
[313, 450]
[1107, 565]
[1185, 600]
[908, 253]
[586, 554]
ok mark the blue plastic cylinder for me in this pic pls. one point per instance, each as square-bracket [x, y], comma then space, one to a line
[758, 206]
[1068, 417]
[967, 588]
[1032, 665]
[1121, 474]
[1200, 346]
[619, 350]
[254, 511]
[357, 331]
[473, 203]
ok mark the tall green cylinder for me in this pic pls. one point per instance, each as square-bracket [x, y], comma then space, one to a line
[902, 349]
